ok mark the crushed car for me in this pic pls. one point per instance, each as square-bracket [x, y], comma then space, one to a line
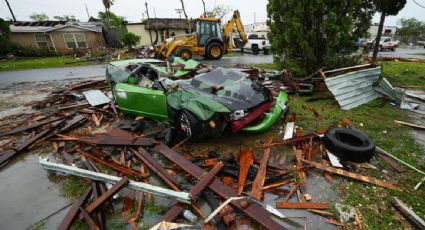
[198, 105]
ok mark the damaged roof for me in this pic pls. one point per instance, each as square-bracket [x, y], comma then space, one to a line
[46, 26]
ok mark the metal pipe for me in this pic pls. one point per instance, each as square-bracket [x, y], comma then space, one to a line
[155, 190]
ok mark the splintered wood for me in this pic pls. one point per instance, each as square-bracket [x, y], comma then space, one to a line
[352, 175]
[257, 186]
[246, 159]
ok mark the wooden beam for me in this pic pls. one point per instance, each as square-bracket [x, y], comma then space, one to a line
[257, 185]
[108, 194]
[409, 124]
[352, 175]
[72, 213]
[246, 159]
[303, 205]
[411, 216]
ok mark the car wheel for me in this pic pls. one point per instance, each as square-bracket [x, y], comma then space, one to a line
[214, 51]
[393, 49]
[349, 145]
[266, 51]
[255, 49]
[189, 125]
[185, 53]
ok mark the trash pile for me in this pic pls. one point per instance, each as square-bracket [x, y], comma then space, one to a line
[90, 141]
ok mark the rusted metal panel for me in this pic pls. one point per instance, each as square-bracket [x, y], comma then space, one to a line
[108, 194]
[303, 205]
[253, 210]
[352, 175]
[72, 213]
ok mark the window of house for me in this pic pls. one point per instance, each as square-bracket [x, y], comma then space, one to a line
[41, 41]
[75, 40]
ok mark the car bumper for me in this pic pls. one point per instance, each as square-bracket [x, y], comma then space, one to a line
[271, 117]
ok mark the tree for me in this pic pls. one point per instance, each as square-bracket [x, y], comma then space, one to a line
[114, 21]
[308, 35]
[5, 45]
[218, 11]
[412, 30]
[386, 8]
[68, 18]
[107, 4]
[130, 39]
[39, 17]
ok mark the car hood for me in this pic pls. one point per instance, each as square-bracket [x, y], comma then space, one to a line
[230, 88]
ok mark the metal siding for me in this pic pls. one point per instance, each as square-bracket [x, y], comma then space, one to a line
[354, 88]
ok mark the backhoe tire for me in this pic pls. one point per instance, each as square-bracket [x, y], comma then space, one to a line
[214, 51]
[255, 50]
[185, 53]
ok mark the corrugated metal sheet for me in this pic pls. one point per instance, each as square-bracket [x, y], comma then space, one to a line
[96, 97]
[384, 87]
[354, 88]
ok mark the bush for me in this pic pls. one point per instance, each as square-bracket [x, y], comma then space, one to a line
[34, 52]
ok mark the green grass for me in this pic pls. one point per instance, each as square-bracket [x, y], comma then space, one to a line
[38, 63]
[266, 66]
[73, 187]
[405, 73]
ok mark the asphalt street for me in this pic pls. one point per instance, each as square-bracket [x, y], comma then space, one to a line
[67, 73]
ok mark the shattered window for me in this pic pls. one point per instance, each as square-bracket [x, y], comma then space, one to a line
[41, 41]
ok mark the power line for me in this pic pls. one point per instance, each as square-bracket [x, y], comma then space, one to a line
[418, 4]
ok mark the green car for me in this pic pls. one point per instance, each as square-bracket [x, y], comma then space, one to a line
[197, 105]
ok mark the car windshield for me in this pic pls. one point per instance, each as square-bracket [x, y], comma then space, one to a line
[227, 83]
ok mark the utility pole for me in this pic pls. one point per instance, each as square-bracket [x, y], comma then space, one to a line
[87, 10]
[147, 11]
[179, 11]
[11, 12]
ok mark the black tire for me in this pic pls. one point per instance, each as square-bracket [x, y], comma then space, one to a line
[214, 46]
[185, 53]
[189, 125]
[255, 49]
[349, 145]
[393, 49]
[266, 51]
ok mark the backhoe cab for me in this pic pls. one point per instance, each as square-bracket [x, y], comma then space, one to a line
[209, 39]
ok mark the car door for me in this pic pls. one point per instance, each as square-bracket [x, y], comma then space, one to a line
[140, 100]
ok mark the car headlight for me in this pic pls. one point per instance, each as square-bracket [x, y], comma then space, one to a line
[238, 114]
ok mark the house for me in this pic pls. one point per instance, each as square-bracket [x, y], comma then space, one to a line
[259, 28]
[388, 31]
[60, 36]
[152, 30]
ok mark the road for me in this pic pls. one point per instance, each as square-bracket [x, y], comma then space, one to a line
[67, 73]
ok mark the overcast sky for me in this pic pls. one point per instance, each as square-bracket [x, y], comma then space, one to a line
[132, 10]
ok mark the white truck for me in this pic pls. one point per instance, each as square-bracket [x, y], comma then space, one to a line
[255, 44]
[386, 43]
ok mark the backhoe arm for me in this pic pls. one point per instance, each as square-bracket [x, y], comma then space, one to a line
[228, 28]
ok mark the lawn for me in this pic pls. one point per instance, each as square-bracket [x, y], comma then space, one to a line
[37, 63]
[405, 73]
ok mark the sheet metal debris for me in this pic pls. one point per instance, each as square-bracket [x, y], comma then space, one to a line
[354, 88]
[96, 97]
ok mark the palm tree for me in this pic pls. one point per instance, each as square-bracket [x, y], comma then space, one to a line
[108, 4]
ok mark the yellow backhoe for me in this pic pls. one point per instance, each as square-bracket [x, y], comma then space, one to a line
[209, 39]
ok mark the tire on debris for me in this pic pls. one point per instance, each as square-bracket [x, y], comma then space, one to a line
[349, 145]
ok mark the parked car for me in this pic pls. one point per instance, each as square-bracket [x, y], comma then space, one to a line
[386, 43]
[204, 105]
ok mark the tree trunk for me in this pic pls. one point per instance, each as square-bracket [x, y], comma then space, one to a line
[185, 15]
[378, 37]
[205, 11]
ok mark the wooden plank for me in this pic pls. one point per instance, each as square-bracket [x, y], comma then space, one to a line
[304, 205]
[298, 162]
[411, 216]
[391, 162]
[351, 175]
[246, 159]
[117, 141]
[410, 124]
[72, 213]
[108, 194]
[154, 165]
[28, 127]
[322, 213]
[175, 211]
[89, 220]
[257, 185]
[253, 210]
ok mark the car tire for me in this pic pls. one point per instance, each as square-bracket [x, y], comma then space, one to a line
[185, 53]
[349, 145]
[189, 125]
[215, 51]
[266, 51]
[393, 49]
[255, 49]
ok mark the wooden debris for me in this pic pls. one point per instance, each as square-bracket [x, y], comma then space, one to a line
[408, 213]
[322, 213]
[391, 162]
[409, 124]
[246, 159]
[257, 185]
[107, 195]
[89, 220]
[278, 184]
[352, 175]
[334, 222]
[72, 213]
[303, 205]
[128, 202]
